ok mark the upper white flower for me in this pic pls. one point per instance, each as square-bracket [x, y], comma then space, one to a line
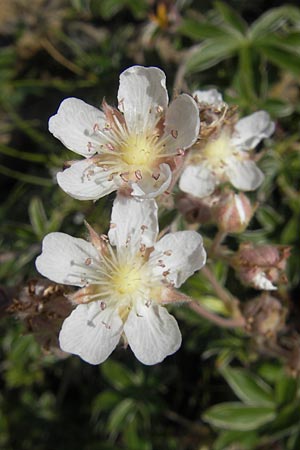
[123, 279]
[227, 157]
[133, 146]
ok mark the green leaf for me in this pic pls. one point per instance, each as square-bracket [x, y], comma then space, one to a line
[248, 387]
[245, 74]
[286, 390]
[107, 8]
[38, 217]
[290, 231]
[210, 53]
[272, 20]
[237, 416]
[197, 30]
[116, 374]
[282, 58]
[231, 17]
[245, 440]
[277, 107]
[121, 415]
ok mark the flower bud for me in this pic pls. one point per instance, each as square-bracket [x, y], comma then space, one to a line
[264, 316]
[197, 210]
[262, 265]
[233, 213]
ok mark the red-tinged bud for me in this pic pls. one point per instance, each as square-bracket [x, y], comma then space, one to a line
[197, 210]
[233, 213]
[262, 265]
[265, 316]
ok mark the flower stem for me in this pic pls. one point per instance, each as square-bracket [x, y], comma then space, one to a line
[219, 238]
[229, 300]
[218, 320]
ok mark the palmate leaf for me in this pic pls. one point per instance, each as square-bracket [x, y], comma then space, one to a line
[237, 416]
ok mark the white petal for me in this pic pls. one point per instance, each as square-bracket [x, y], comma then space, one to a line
[91, 333]
[182, 123]
[149, 187]
[74, 126]
[260, 281]
[152, 334]
[197, 180]
[86, 181]
[142, 94]
[244, 175]
[211, 96]
[63, 259]
[250, 130]
[133, 223]
[179, 254]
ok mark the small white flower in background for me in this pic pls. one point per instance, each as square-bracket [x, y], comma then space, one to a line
[134, 146]
[124, 279]
[211, 97]
[226, 157]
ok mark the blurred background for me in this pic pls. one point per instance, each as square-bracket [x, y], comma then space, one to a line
[249, 51]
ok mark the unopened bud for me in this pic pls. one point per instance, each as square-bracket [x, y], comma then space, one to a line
[261, 266]
[265, 316]
[197, 210]
[233, 213]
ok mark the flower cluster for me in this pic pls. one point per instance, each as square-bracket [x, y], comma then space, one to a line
[126, 278]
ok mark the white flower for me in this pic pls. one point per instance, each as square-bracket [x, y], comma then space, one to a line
[227, 157]
[132, 147]
[124, 279]
[211, 97]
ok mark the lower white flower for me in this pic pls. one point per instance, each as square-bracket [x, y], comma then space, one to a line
[124, 280]
[226, 157]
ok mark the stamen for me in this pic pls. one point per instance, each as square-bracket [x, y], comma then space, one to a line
[138, 175]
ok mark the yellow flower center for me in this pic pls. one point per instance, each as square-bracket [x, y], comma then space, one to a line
[139, 150]
[218, 151]
[127, 279]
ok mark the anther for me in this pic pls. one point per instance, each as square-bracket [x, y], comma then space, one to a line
[156, 176]
[89, 146]
[88, 261]
[102, 305]
[168, 252]
[123, 177]
[166, 273]
[174, 134]
[180, 152]
[138, 174]
[110, 146]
